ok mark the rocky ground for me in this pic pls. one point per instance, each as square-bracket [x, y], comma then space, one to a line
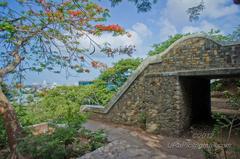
[130, 143]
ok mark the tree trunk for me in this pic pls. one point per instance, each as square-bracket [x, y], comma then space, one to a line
[11, 122]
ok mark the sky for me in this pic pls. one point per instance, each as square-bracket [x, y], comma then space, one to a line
[166, 18]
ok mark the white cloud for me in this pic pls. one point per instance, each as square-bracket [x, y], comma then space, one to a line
[115, 41]
[166, 29]
[142, 29]
[174, 18]
[204, 26]
[175, 10]
[219, 8]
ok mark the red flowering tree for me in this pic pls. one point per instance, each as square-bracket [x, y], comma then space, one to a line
[45, 34]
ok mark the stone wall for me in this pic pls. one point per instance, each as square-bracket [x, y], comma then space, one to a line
[156, 96]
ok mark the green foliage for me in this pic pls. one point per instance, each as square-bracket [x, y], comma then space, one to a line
[142, 120]
[61, 105]
[218, 36]
[51, 21]
[119, 73]
[217, 86]
[62, 143]
[215, 34]
[236, 34]
[99, 94]
[159, 48]
[46, 145]
[223, 122]
[96, 139]
[3, 4]
[7, 27]
[234, 100]
[26, 119]
[25, 115]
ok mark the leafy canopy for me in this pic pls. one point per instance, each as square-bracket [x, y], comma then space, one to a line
[214, 34]
[46, 34]
[158, 48]
[119, 73]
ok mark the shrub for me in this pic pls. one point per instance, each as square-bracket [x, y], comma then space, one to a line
[217, 86]
[52, 146]
[61, 144]
[61, 105]
[159, 48]
[230, 124]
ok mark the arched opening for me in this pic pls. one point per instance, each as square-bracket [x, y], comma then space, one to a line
[196, 99]
[199, 101]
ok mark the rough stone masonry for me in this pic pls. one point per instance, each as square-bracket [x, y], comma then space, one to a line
[170, 91]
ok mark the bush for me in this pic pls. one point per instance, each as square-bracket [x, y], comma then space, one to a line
[52, 146]
[228, 124]
[159, 48]
[217, 86]
[24, 118]
[96, 139]
[120, 72]
[61, 144]
[62, 104]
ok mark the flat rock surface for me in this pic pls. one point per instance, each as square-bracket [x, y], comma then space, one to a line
[130, 143]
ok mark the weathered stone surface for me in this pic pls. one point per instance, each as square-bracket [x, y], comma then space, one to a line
[128, 143]
[160, 93]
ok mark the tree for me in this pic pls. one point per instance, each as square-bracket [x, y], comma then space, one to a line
[119, 73]
[158, 48]
[44, 34]
[214, 34]
[195, 11]
[236, 34]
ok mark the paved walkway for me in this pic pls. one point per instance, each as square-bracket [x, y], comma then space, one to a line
[129, 143]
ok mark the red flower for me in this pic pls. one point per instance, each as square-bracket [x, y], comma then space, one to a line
[97, 64]
[113, 27]
[94, 64]
[74, 13]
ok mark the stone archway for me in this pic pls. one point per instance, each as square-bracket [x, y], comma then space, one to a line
[164, 89]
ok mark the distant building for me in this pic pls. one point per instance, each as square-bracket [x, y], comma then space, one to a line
[84, 83]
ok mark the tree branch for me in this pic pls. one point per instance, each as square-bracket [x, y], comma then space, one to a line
[15, 54]
[11, 66]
